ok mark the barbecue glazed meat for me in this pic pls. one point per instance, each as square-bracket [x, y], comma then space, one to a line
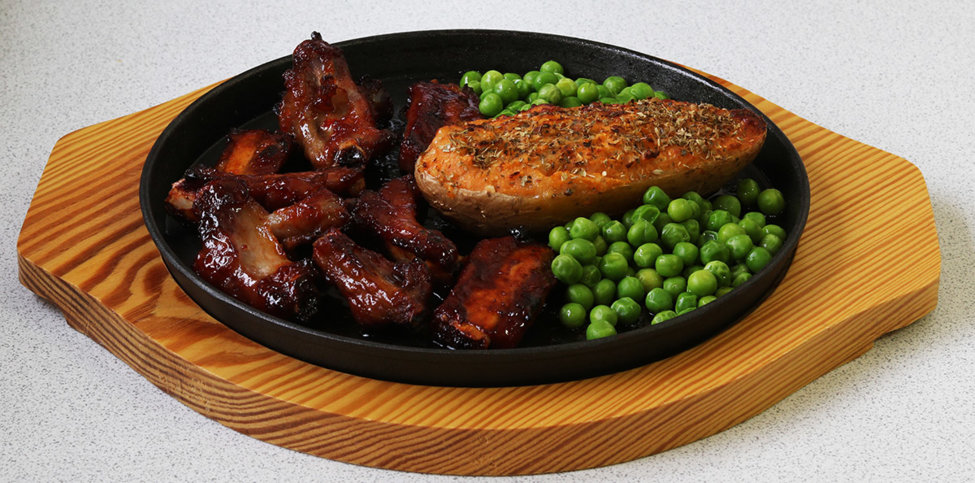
[497, 297]
[390, 216]
[243, 258]
[272, 191]
[305, 220]
[433, 105]
[325, 111]
[254, 151]
[379, 292]
[547, 165]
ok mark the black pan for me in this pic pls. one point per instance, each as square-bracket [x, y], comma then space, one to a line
[549, 354]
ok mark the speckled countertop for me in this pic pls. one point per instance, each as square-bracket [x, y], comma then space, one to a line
[894, 75]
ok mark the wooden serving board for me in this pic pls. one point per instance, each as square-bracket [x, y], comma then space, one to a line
[868, 263]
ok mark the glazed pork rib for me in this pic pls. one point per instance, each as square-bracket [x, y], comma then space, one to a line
[497, 297]
[272, 191]
[326, 112]
[306, 220]
[390, 216]
[433, 105]
[254, 151]
[379, 292]
[242, 257]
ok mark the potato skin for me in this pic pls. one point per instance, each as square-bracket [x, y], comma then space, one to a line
[545, 166]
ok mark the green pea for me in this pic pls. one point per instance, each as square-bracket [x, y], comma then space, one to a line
[566, 269]
[529, 78]
[752, 229]
[622, 248]
[675, 285]
[663, 219]
[648, 212]
[623, 98]
[507, 90]
[680, 209]
[728, 203]
[706, 300]
[687, 252]
[771, 243]
[739, 246]
[550, 93]
[490, 78]
[660, 95]
[491, 104]
[573, 315]
[695, 197]
[689, 269]
[584, 80]
[557, 236]
[663, 316]
[668, 265]
[657, 197]
[603, 92]
[551, 66]
[603, 313]
[641, 90]
[650, 279]
[755, 216]
[740, 279]
[471, 75]
[590, 275]
[584, 228]
[570, 101]
[630, 287]
[587, 93]
[685, 300]
[601, 245]
[532, 97]
[685, 310]
[511, 76]
[658, 300]
[609, 100]
[515, 105]
[543, 78]
[693, 229]
[702, 282]
[721, 291]
[771, 201]
[627, 310]
[729, 230]
[614, 231]
[672, 234]
[506, 112]
[580, 294]
[605, 292]
[757, 259]
[717, 219]
[566, 86]
[614, 84]
[476, 87]
[646, 254]
[598, 330]
[747, 192]
[722, 274]
[706, 236]
[714, 250]
[628, 218]
[539, 101]
[613, 266]
[773, 229]
[523, 87]
[579, 248]
[739, 268]
[641, 232]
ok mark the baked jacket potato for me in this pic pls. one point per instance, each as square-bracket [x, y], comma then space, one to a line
[547, 165]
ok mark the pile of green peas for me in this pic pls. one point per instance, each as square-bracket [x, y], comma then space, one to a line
[509, 93]
[668, 256]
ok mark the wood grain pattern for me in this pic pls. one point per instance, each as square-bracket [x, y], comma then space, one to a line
[83, 247]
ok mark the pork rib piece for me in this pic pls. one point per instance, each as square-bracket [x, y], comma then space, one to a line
[379, 292]
[390, 216]
[497, 297]
[254, 151]
[432, 106]
[326, 112]
[244, 259]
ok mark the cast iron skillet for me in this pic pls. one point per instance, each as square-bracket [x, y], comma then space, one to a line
[198, 134]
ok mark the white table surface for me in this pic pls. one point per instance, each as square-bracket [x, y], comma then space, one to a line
[894, 75]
